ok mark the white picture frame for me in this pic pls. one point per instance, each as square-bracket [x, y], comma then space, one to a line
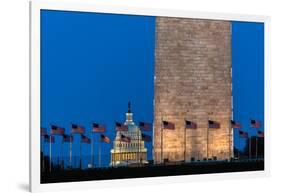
[36, 6]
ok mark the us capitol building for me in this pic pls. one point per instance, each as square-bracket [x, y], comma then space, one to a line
[128, 153]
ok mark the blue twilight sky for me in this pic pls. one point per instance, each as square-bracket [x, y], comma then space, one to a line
[93, 64]
[247, 75]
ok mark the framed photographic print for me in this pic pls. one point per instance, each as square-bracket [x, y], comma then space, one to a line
[129, 93]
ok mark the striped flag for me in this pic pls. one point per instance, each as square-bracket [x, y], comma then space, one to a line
[55, 130]
[104, 138]
[47, 139]
[98, 128]
[125, 139]
[121, 127]
[260, 134]
[243, 134]
[255, 123]
[190, 125]
[145, 126]
[235, 125]
[67, 138]
[213, 124]
[43, 131]
[145, 137]
[168, 125]
[76, 129]
[85, 139]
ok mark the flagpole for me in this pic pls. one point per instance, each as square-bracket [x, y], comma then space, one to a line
[42, 149]
[184, 144]
[250, 147]
[62, 164]
[50, 152]
[92, 152]
[230, 129]
[162, 141]
[100, 154]
[238, 146]
[114, 146]
[238, 149]
[257, 147]
[80, 154]
[70, 151]
[139, 147]
[120, 147]
[208, 140]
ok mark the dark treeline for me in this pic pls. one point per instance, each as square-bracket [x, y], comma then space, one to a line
[255, 145]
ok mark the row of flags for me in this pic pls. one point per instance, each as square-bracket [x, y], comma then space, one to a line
[211, 124]
[96, 128]
[190, 125]
[75, 129]
[142, 125]
[253, 124]
[256, 124]
[215, 125]
[99, 128]
[244, 134]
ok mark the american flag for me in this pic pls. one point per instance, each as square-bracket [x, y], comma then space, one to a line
[235, 125]
[120, 127]
[190, 125]
[76, 129]
[85, 139]
[47, 139]
[145, 126]
[260, 134]
[43, 131]
[255, 123]
[125, 139]
[104, 138]
[98, 128]
[55, 130]
[145, 137]
[213, 124]
[67, 138]
[168, 125]
[243, 134]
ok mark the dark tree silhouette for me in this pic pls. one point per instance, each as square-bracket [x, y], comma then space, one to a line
[256, 148]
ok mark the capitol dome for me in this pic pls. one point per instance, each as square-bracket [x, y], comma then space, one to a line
[126, 153]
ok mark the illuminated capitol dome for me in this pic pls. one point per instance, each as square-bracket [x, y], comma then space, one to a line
[132, 151]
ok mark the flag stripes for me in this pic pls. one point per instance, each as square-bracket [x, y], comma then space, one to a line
[260, 134]
[76, 129]
[235, 125]
[125, 139]
[146, 137]
[213, 124]
[243, 134]
[168, 125]
[104, 138]
[67, 138]
[145, 126]
[120, 127]
[85, 139]
[55, 130]
[98, 128]
[255, 123]
[190, 125]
